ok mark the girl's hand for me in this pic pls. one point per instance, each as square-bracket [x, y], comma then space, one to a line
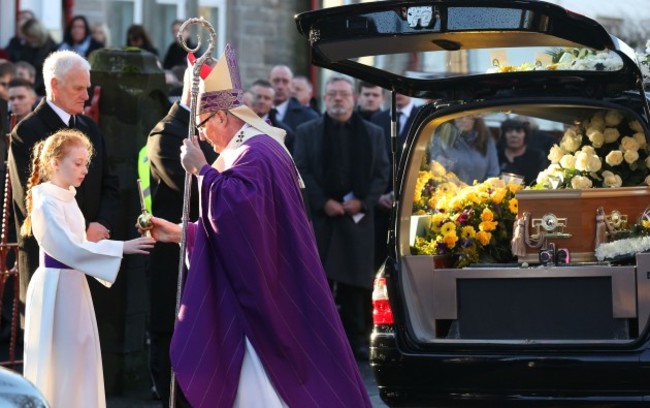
[140, 245]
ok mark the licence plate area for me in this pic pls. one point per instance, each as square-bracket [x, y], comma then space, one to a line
[574, 304]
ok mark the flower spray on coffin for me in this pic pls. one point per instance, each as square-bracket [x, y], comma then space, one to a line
[469, 223]
[605, 150]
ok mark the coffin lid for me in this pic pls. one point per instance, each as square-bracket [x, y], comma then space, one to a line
[414, 47]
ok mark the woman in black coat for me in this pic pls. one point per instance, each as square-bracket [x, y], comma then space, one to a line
[77, 37]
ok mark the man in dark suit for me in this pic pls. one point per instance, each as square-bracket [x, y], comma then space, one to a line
[343, 162]
[289, 111]
[67, 79]
[167, 186]
[263, 95]
[406, 112]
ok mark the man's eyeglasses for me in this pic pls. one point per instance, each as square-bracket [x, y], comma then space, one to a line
[342, 94]
[203, 122]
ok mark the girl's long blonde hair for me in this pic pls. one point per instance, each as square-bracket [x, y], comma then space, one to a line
[44, 153]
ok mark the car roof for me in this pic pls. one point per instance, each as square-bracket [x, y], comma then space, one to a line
[351, 39]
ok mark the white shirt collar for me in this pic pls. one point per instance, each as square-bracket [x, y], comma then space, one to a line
[282, 110]
[406, 111]
[65, 116]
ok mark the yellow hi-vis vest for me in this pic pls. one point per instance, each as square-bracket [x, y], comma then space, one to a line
[145, 178]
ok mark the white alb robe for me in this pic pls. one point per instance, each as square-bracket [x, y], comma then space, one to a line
[62, 355]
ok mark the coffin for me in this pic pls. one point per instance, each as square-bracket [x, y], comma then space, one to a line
[567, 217]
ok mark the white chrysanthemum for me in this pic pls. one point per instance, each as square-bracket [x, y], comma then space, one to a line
[598, 121]
[611, 135]
[640, 139]
[631, 156]
[626, 246]
[596, 137]
[582, 159]
[613, 118]
[555, 154]
[614, 158]
[594, 163]
[568, 161]
[611, 180]
[589, 150]
[579, 182]
[629, 143]
[570, 141]
[636, 126]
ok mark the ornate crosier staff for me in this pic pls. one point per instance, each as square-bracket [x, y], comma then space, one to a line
[196, 69]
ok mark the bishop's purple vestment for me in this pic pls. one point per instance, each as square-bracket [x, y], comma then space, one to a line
[255, 271]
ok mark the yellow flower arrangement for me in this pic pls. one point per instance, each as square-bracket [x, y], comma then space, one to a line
[471, 223]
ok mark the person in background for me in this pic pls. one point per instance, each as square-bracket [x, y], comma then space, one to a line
[77, 37]
[263, 95]
[67, 78]
[289, 111]
[516, 155]
[25, 70]
[344, 163]
[406, 112]
[538, 139]
[7, 73]
[176, 55]
[303, 91]
[101, 33]
[371, 99]
[137, 36]
[467, 148]
[167, 186]
[16, 44]
[39, 44]
[22, 98]
[62, 352]
[255, 294]
[249, 99]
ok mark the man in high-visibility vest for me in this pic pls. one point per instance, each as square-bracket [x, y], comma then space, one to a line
[144, 176]
[166, 194]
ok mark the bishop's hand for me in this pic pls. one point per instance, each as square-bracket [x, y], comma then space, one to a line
[192, 157]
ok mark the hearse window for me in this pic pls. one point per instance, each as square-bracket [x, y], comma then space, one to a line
[467, 185]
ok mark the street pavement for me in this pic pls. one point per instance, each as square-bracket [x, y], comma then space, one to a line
[143, 398]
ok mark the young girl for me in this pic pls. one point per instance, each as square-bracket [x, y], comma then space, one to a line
[62, 355]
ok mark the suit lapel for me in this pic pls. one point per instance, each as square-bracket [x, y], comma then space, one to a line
[50, 118]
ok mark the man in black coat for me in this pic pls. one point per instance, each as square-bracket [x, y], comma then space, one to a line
[67, 79]
[263, 95]
[343, 162]
[289, 111]
[406, 112]
[167, 185]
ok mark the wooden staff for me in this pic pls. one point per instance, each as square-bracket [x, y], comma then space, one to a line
[190, 135]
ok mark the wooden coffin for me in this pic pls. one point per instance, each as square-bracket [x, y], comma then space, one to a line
[574, 214]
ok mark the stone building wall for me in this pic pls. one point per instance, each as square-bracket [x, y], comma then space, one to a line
[264, 34]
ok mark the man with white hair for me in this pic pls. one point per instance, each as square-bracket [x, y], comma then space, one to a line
[67, 79]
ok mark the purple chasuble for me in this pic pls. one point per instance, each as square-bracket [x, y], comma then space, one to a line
[255, 272]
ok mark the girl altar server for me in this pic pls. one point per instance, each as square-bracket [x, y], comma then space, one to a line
[62, 356]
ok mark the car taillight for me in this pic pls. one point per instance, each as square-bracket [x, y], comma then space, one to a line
[381, 311]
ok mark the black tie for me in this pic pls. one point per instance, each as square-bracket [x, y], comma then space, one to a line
[71, 122]
[273, 114]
